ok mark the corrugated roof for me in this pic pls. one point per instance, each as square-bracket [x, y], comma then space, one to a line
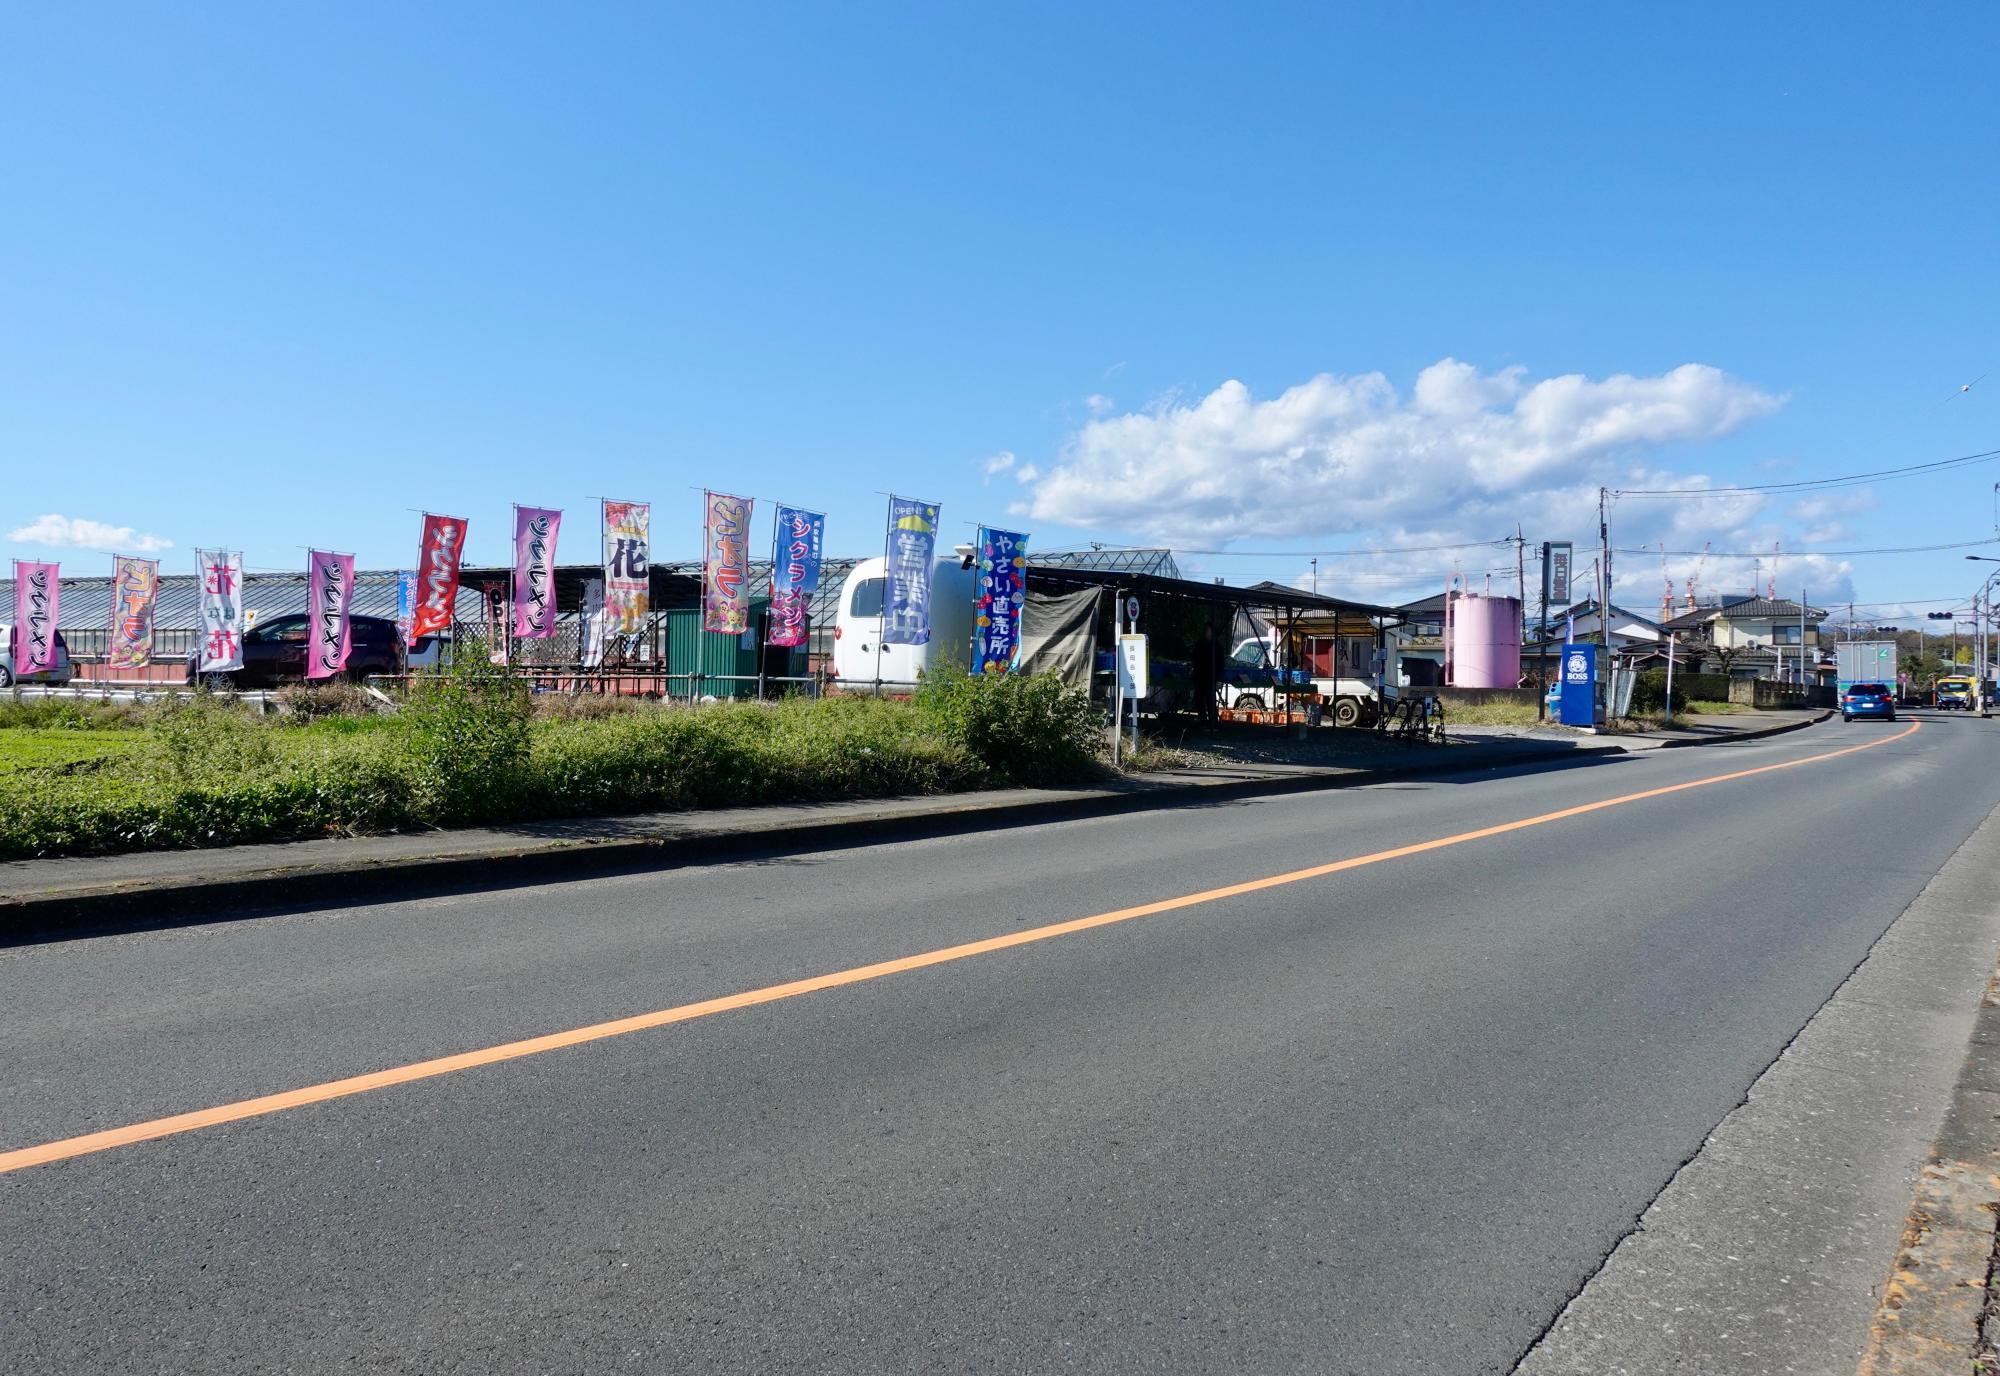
[86, 602]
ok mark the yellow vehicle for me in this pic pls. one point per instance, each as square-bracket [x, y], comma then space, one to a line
[1953, 691]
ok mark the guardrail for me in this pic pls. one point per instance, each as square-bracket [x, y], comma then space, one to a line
[108, 691]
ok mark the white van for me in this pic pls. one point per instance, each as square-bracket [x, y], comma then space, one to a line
[861, 661]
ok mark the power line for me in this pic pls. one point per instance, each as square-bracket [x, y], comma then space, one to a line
[1813, 484]
[1328, 553]
[1800, 553]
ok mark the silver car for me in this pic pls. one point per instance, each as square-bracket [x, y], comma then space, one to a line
[63, 672]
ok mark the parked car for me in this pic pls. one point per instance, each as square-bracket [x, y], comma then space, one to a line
[1252, 680]
[1868, 700]
[274, 653]
[64, 671]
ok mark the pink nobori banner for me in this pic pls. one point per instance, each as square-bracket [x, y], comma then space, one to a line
[37, 598]
[329, 597]
[535, 531]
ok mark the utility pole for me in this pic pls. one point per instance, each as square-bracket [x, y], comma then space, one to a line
[1604, 592]
[1542, 644]
[1521, 570]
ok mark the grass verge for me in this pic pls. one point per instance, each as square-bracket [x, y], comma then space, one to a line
[473, 747]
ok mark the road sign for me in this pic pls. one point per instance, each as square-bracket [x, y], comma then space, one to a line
[1555, 572]
[1132, 610]
[1132, 666]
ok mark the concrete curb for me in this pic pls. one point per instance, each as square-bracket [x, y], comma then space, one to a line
[1751, 735]
[1938, 1313]
[1768, 1249]
[340, 883]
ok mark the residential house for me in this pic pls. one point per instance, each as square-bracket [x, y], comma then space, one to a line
[1751, 637]
[1418, 644]
[1632, 636]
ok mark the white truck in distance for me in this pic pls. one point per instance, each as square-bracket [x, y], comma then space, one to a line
[1863, 661]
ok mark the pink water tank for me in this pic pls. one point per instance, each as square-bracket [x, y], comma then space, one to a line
[1483, 641]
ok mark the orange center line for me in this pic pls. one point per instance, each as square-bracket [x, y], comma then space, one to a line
[91, 1143]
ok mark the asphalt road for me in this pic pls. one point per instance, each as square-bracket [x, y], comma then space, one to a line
[1386, 1119]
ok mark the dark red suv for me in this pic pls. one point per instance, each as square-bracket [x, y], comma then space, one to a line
[275, 653]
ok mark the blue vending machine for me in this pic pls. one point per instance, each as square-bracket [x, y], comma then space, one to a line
[1579, 685]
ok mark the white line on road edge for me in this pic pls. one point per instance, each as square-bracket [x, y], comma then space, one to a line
[1769, 1249]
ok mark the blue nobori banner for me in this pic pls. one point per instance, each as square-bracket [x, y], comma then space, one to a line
[906, 594]
[798, 540]
[1003, 580]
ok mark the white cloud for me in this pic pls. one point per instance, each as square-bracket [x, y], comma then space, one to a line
[1823, 506]
[78, 532]
[1100, 404]
[995, 464]
[1344, 454]
[1027, 473]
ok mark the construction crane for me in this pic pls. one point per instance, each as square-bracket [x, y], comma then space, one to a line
[1667, 597]
[1694, 579]
[1771, 585]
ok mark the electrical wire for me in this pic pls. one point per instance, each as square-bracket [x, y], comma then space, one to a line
[1815, 484]
[1801, 553]
[1318, 553]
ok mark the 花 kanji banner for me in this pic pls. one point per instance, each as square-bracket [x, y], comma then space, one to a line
[1003, 580]
[221, 595]
[135, 586]
[906, 596]
[627, 565]
[535, 531]
[329, 595]
[437, 575]
[797, 541]
[37, 595]
[725, 571]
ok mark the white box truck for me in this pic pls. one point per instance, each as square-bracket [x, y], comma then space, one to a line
[1863, 661]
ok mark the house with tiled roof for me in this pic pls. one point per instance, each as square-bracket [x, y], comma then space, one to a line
[1750, 636]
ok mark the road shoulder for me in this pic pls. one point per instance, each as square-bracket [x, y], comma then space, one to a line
[1773, 1246]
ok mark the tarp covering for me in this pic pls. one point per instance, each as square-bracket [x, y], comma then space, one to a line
[1059, 635]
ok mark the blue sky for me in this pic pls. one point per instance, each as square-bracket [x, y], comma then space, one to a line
[277, 275]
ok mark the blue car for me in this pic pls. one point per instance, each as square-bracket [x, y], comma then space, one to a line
[1868, 700]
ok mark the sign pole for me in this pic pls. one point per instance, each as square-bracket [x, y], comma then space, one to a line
[1132, 627]
[1117, 676]
[1670, 678]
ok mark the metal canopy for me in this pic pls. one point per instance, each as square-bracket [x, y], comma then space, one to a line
[1273, 596]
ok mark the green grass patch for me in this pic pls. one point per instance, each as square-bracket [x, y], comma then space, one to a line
[1490, 714]
[474, 748]
[34, 747]
[1718, 709]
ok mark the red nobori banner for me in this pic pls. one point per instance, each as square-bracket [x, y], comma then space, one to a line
[725, 573]
[135, 586]
[437, 575]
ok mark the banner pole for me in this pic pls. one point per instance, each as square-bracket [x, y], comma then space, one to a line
[701, 614]
[888, 553]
